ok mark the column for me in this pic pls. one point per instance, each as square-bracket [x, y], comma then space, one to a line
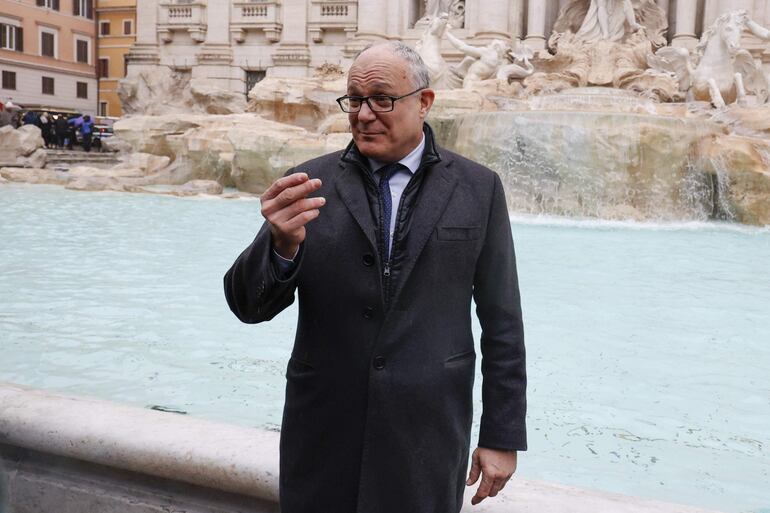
[372, 19]
[516, 20]
[492, 19]
[684, 36]
[536, 10]
[215, 57]
[144, 51]
[292, 57]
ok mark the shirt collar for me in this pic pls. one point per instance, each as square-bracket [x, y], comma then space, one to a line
[411, 161]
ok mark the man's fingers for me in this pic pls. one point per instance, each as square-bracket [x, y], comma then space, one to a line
[301, 219]
[296, 208]
[484, 488]
[475, 472]
[288, 196]
[496, 487]
[282, 183]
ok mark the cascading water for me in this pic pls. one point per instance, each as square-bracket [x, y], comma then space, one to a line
[607, 157]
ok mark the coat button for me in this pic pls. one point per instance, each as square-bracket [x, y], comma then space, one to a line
[379, 362]
[368, 260]
[368, 313]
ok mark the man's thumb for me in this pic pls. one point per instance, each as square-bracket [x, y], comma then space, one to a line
[475, 469]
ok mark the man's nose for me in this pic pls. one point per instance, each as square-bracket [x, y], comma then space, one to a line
[366, 113]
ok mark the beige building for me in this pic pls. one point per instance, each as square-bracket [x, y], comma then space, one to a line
[236, 42]
[48, 54]
[116, 26]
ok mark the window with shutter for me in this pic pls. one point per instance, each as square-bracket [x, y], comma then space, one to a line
[4, 33]
[128, 28]
[47, 45]
[48, 85]
[104, 28]
[82, 51]
[82, 90]
[40, 3]
[104, 68]
[55, 5]
[19, 39]
[9, 80]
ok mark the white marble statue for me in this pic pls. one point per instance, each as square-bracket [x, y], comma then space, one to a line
[514, 71]
[429, 48]
[608, 20]
[611, 20]
[454, 9]
[480, 62]
[718, 70]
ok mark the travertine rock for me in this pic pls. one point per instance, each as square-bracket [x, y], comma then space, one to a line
[166, 91]
[116, 144]
[21, 147]
[95, 183]
[194, 187]
[146, 162]
[303, 102]
[34, 175]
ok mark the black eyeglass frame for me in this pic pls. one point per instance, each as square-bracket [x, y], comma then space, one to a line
[363, 99]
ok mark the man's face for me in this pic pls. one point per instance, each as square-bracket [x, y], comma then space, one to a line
[386, 136]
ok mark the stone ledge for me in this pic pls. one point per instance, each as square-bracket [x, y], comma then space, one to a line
[62, 454]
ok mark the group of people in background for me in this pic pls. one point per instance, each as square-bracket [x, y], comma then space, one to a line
[58, 130]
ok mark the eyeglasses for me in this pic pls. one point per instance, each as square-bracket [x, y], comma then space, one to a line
[376, 102]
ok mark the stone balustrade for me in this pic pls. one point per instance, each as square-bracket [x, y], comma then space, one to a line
[325, 15]
[187, 17]
[264, 16]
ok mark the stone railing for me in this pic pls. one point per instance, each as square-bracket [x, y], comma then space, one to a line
[182, 17]
[262, 15]
[96, 455]
[332, 15]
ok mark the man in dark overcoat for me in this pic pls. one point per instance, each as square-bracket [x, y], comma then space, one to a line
[386, 244]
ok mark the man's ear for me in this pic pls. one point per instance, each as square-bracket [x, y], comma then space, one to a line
[427, 97]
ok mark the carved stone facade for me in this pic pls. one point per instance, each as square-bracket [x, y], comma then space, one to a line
[232, 43]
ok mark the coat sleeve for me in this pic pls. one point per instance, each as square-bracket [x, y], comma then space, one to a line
[253, 288]
[498, 307]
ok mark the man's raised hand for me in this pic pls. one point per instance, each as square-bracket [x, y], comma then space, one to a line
[287, 208]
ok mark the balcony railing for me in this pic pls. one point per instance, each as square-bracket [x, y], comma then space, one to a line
[182, 16]
[326, 15]
[258, 15]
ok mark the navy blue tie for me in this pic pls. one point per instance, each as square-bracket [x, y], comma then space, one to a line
[386, 202]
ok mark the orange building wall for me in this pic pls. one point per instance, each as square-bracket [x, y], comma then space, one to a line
[30, 66]
[114, 47]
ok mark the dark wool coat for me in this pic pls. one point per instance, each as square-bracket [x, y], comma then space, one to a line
[378, 408]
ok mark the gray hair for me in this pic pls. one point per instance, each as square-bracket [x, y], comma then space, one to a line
[417, 68]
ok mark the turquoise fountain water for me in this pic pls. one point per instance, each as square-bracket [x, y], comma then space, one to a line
[647, 343]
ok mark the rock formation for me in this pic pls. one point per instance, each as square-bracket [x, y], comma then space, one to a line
[22, 147]
[168, 91]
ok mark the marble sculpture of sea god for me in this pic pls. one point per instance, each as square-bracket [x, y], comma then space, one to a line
[386, 243]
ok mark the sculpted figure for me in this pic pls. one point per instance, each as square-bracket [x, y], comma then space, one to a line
[719, 70]
[455, 10]
[486, 59]
[606, 20]
[429, 48]
[509, 72]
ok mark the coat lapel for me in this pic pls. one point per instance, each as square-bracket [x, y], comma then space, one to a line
[350, 187]
[440, 181]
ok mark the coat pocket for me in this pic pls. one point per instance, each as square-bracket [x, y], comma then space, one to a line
[458, 232]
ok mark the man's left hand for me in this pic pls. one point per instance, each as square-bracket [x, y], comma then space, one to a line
[495, 468]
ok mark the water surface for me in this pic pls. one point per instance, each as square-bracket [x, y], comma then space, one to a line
[648, 345]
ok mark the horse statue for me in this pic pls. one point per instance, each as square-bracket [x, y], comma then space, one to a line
[718, 70]
[429, 48]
